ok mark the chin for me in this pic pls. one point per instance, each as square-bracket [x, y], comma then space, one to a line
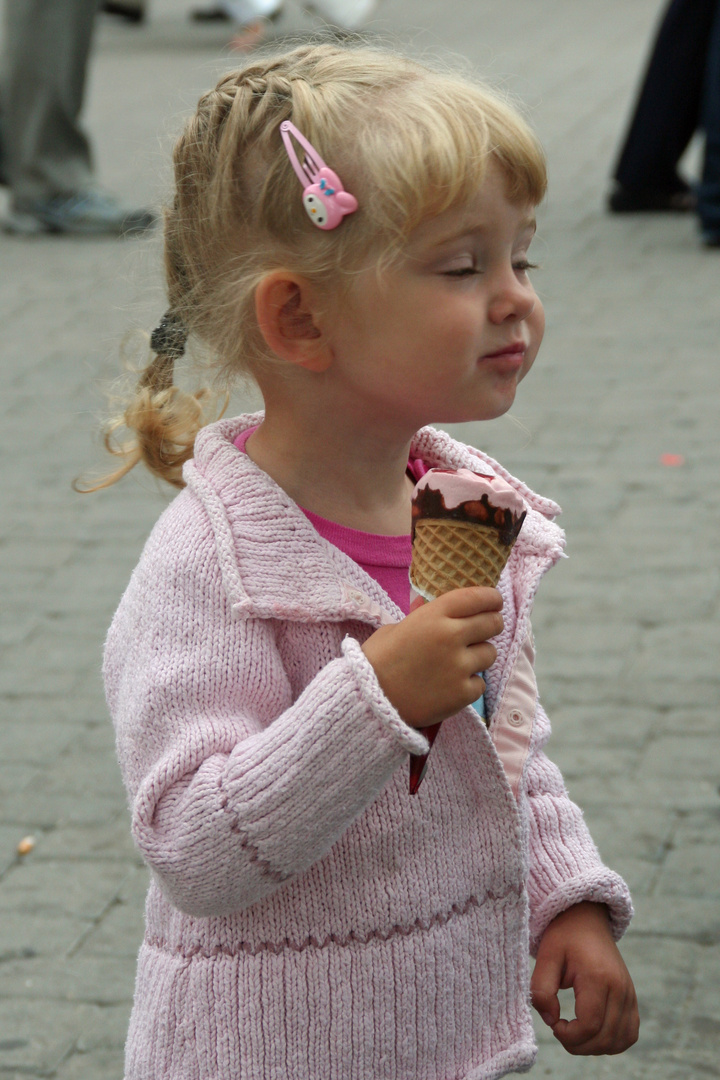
[472, 416]
[475, 412]
[501, 411]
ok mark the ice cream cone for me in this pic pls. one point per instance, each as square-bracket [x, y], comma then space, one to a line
[455, 550]
[455, 555]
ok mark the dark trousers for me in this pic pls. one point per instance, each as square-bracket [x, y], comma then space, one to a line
[708, 192]
[670, 104]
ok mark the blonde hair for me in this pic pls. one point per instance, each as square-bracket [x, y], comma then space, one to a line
[408, 141]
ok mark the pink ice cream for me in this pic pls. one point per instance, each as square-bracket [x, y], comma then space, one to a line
[467, 496]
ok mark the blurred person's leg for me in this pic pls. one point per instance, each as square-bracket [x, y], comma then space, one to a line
[47, 43]
[349, 14]
[46, 155]
[245, 11]
[252, 19]
[241, 12]
[709, 187]
[667, 112]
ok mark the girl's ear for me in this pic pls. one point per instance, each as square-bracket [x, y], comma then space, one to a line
[285, 307]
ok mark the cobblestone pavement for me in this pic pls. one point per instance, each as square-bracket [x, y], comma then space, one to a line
[627, 628]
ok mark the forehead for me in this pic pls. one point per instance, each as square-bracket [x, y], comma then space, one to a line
[489, 210]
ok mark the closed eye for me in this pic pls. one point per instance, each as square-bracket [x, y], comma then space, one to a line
[520, 267]
[463, 271]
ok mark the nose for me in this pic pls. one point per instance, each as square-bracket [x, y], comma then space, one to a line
[513, 297]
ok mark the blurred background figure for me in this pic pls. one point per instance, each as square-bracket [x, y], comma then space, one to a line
[251, 17]
[45, 156]
[680, 95]
[708, 192]
[131, 10]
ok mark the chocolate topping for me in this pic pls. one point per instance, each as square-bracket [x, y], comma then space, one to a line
[429, 503]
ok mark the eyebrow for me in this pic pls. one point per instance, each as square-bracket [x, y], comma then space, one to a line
[527, 223]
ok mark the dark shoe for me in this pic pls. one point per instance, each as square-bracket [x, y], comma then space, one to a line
[210, 14]
[91, 213]
[648, 201]
[219, 13]
[134, 13]
[711, 238]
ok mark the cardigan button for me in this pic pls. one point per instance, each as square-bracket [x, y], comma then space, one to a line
[516, 718]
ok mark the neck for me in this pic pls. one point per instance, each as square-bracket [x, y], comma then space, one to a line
[348, 472]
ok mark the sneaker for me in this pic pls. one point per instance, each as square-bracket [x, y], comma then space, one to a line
[91, 213]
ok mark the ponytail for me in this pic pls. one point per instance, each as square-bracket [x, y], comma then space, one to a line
[162, 419]
[167, 341]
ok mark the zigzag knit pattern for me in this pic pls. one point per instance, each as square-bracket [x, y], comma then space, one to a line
[311, 942]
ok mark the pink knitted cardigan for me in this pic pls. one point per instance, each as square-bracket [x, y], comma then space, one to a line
[307, 919]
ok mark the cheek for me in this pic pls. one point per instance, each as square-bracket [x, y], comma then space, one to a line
[536, 322]
[536, 326]
[445, 330]
[535, 339]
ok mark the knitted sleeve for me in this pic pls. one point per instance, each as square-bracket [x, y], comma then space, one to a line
[565, 866]
[234, 787]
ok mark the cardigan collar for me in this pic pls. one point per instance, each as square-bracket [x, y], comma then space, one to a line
[274, 562]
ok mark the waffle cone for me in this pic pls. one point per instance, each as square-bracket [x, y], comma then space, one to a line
[446, 555]
[449, 554]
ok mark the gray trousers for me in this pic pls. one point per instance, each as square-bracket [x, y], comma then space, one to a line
[47, 43]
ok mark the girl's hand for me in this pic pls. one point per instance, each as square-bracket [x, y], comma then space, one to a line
[427, 664]
[577, 950]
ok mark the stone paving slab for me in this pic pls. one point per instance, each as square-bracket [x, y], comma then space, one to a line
[627, 626]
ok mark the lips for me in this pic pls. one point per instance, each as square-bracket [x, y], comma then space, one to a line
[513, 348]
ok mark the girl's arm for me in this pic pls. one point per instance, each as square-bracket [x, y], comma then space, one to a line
[234, 787]
[565, 866]
[578, 909]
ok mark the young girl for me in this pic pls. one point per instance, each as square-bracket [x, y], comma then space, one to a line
[352, 229]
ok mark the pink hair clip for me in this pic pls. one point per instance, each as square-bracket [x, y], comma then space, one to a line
[324, 198]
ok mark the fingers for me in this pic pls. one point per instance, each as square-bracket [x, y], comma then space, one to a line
[427, 664]
[630, 1030]
[464, 603]
[544, 985]
[480, 628]
[480, 657]
[477, 687]
[606, 1022]
[475, 613]
[577, 950]
[474, 617]
[585, 1032]
[473, 634]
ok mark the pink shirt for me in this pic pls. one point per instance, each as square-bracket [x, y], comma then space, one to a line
[385, 558]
